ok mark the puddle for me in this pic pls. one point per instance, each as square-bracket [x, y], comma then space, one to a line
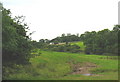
[87, 74]
[83, 69]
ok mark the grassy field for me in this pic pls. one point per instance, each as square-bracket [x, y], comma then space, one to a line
[49, 65]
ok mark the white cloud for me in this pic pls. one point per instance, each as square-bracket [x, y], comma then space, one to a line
[50, 18]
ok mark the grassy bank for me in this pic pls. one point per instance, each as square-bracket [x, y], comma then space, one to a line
[61, 65]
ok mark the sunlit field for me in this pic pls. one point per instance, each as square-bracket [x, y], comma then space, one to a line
[49, 65]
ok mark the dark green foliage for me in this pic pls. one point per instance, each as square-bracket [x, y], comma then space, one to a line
[64, 48]
[41, 44]
[104, 41]
[15, 43]
[66, 38]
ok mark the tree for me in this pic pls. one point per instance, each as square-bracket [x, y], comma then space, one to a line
[41, 41]
[16, 44]
[101, 42]
[68, 38]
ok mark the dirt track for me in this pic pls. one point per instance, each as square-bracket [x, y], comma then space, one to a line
[83, 68]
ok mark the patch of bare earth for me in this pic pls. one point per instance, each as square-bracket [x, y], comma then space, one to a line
[83, 68]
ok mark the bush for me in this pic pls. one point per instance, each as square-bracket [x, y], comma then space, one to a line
[64, 48]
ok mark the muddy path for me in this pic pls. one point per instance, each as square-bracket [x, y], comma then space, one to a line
[83, 69]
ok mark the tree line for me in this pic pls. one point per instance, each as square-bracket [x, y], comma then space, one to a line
[66, 38]
[102, 42]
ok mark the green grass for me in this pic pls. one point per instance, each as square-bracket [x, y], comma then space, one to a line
[79, 43]
[55, 65]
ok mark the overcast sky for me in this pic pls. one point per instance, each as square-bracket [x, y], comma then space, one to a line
[51, 18]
